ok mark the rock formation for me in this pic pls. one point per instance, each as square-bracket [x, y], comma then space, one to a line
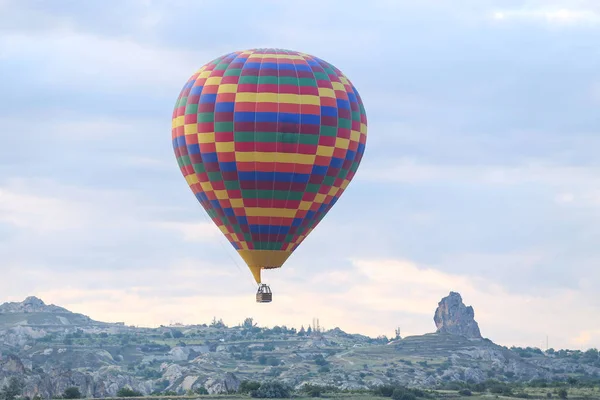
[453, 317]
[29, 305]
[49, 349]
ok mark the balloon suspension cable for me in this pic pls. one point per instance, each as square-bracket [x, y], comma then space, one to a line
[207, 218]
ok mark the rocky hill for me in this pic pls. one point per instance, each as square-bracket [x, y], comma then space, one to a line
[51, 349]
[34, 313]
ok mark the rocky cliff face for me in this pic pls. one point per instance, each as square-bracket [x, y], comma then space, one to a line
[453, 317]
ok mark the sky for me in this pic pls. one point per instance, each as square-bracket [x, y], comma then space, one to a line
[480, 174]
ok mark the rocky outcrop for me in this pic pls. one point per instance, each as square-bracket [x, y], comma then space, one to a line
[11, 365]
[30, 305]
[104, 382]
[453, 317]
[228, 384]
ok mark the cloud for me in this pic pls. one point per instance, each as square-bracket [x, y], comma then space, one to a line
[193, 232]
[73, 228]
[77, 60]
[541, 173]
[559, 16]
[373, 296]
[38, 214]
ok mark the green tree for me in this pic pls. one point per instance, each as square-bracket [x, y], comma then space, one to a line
[248, 386]
[177, 333]
[12, 390]
[272, 390]
[201, 390]
[320, 360]
[128, 392]
[563, 393]
[71, 393]
[403, 394]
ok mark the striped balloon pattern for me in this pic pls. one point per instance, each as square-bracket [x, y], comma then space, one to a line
[268, 140]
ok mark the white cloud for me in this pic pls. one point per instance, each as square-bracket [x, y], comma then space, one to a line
[148, 162]
[376, 296]
[39, 214]
[77, 60]
[193, 231]
[82, 211]
[410, 171]
[554, 16]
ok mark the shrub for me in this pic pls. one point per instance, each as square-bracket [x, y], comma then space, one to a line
[272, 361]
[312, 390]
[403, 394]
[384, 391]
[248, 386]
[12, 390]
[71, 393]
[465, 392]
[272, 390]
[320, 360]
[128, 392]
[201, 390]
[522, 395]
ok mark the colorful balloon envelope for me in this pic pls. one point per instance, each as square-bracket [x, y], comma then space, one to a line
[268, 140]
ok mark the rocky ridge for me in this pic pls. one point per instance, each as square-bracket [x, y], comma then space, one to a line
[31, 304]
[102, 358]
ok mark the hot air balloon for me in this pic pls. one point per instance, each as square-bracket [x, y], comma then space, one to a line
[268, 140]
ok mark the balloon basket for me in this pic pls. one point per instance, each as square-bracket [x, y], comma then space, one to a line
[264, 294]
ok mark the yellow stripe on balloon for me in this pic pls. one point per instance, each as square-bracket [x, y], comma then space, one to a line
[257, 156]
[206, 137]
[206, 186]
[236, 203]
[270, 212]
[245, 97]
[225, 147]
[287, 98]
[228, 88]
[190, 129]
[338, 86]
[221, 194]
[319, 198]
[325, 151]
[270, 55]
[213, 80]
[305, 205]
[191, 179]
[342, 143]
[326, 92]
[178, 121]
